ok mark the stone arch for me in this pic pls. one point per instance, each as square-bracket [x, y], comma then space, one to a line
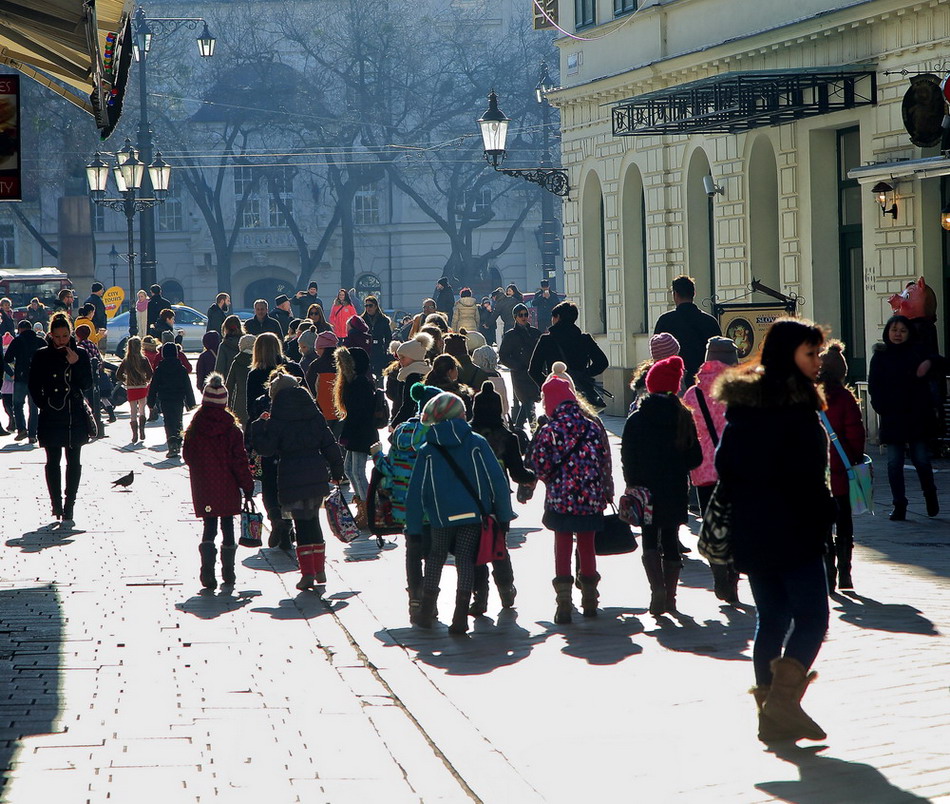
[262, 282]
[593, 259]
[764, 234]
[633, 229]
[700, 242]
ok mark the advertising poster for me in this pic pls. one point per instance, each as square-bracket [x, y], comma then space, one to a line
[10, 138]
[747, 324]
[113, 299]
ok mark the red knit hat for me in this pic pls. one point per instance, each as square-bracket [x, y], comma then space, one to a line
[555, 391]
[665, 376]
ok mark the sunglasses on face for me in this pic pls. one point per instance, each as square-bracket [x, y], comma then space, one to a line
[522, 315]
[370, 306]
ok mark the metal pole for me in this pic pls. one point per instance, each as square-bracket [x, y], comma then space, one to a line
[146, 215]
[548, 221]
[130, 217]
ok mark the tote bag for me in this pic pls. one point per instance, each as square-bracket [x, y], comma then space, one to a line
[860, 475]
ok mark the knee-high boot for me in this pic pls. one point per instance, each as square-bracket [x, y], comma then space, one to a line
[725, 581]
[73, 476]
[563, 587]
[653, 567]
[480, 592]
[504, 576]
[135, 429]
[426, 612]
[671, 578]
[305, 560]
[54, 484]
[844, 549]
[141, 428]
[589, 594]
[460, 615]
[208, 553]
[227, 564]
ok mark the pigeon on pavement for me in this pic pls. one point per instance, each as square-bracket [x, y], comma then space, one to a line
[125, 481]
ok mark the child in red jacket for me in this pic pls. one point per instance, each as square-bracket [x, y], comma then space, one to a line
[845, 417]
[217, 462]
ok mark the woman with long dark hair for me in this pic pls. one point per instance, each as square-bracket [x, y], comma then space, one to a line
[60, 374]
[317, 319]
[341, 312]
[772, 459]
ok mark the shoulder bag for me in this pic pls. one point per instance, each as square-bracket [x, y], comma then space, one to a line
[491, 545]
[714, 535]
[860, 475]
[615, 537]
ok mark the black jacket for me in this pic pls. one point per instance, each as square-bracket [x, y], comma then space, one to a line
[216, 317]
[544, 307]
[901, 398]
[771, 462]
[282, 317]
[20, 352]
[156, 303]
[99, 318]
[507, 450]
[692, 328]
[651, 458]
[563, 341]
[445, 301]
[57, 389]
[256, 380]
[381, 331]
[170, 385]
[296, 433]
[254, 326]
[515, 351]
[359, 432]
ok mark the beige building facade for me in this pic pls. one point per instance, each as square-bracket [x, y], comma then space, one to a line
[794, 111]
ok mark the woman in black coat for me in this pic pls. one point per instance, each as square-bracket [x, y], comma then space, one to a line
[60, 374]
[355, 398]
[898, 381]
[295, 434]
[170, 386]
[658, 449]
[772, 460]
[380, 329]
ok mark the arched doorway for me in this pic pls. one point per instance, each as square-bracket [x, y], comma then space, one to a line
[763, 214]
[700, 242]
[634, 233]
[267, 288]
[173, 291]
[594, 305]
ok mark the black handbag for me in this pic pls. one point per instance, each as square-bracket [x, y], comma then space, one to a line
[615, 537]
[714, 536]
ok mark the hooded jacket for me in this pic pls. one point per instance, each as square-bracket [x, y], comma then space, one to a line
[583, 484]
[466, 314]
[217, 462]
[359, 399]
[436, 492]
[397, 464]
[651, 458]
[705, 473]
[298, 436]
[227, 350]
[170, 381]
[204, 365]
[772, 461]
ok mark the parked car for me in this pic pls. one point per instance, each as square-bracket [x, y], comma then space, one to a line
[188, 319]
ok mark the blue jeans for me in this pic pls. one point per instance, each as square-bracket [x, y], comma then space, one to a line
[791, 610]
[354, 467]
[21, 394]
[919, 456]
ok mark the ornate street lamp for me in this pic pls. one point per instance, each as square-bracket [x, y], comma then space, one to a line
[494, 127]
[113, 262]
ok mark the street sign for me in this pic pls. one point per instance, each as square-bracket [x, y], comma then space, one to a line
[113, 299]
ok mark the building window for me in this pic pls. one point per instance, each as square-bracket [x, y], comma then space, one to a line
[98, 218]
[251, 216]
[169, 215]
[245, 180]
[584, 12]
[281, 189]
[479, 201]
[624, 7]
[7, 244]
[366, 206]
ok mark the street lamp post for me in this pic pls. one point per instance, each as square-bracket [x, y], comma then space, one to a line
[549, 242]
[129, 174]
[113, 262]
[144, 30]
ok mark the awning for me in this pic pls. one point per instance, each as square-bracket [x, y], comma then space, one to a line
[740, 101]
[927, 168]
[80, 49]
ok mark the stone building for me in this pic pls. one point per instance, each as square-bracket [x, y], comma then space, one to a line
[794, 112]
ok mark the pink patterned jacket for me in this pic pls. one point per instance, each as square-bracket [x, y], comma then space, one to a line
[705, 473]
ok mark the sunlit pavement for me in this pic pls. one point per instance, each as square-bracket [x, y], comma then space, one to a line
[122, 681]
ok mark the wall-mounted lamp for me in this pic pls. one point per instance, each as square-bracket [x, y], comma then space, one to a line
[945, 217]
[711, 188]
[883, 192]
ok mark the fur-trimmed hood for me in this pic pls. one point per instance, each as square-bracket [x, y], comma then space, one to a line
[748, 389]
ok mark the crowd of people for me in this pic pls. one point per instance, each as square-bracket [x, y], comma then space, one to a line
[299, 404]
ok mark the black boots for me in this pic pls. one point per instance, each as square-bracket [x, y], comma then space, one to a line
[725, 583]
[563, 585]
[208, 553]
[589, 594]
[227, 564]
[504, 577]
[843, 550]
[480, 592]
[899, 514]
[135, 430]
[933, 506]
[459, 624]
[653, 567]
[141, 428]
[426, 611]
[671, 577]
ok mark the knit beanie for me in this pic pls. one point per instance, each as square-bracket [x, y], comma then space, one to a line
[487, 405]
[519, 308]
[485, 358]
[722, 350]
[416, 347]
[149, 344]
[169, 351]
[360, 361]
[420, 393]
[246, 343]
[280, 300]
[442, 407]
[455, 345]
[474, 340]
[38, 327]
[168, 337]
[280, 382]
[559, 369]
[82, 332]
[833, 365]
[663, 345]
[214, 392]
[326, 340]
[356, 324]
[556, 389]
[665, 376]
[308, 338]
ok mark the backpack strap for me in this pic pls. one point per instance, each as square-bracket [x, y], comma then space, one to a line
[457, 470]
[837, 444]
[701, 398]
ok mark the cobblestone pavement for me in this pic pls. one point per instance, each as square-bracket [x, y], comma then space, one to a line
[121, 682]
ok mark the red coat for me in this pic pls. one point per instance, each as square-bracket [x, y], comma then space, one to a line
[845, 417]
[215, 454]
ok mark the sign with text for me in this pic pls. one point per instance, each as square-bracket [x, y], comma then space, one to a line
[10, 189]
[113, 299]
[747, 324]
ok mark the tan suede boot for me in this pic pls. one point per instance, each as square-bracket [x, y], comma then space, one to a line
[563, 586]
[783, 703]
[769, 730]
[362, 521]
